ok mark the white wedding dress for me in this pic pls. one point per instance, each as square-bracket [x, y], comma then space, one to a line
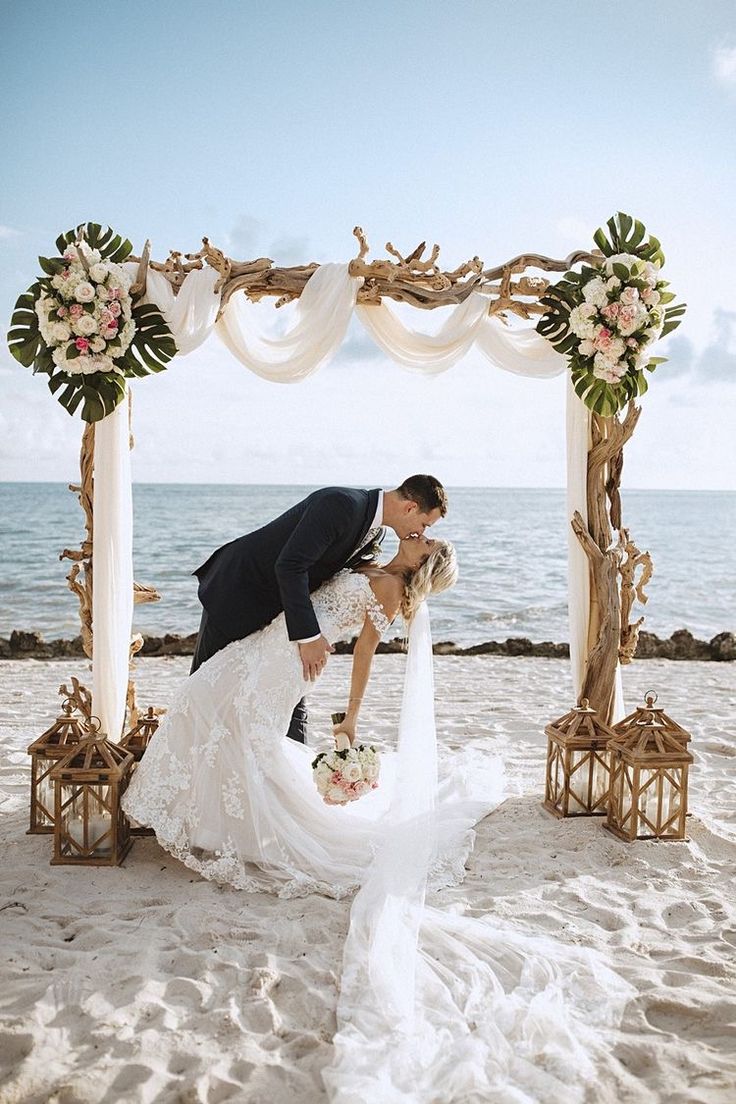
[434, 1007]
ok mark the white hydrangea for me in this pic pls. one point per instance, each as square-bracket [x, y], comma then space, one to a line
[118, 276]
[628, 259]
[98, 344]
[595, 292]
[98, 273]
[580, 321]
[60, 331]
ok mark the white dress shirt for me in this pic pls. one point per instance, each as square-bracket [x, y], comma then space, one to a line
[375, 524]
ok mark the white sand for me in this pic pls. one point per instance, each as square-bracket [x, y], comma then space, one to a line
[146, 983]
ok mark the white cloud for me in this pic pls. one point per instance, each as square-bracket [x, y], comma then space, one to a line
[724, 65]
[9, 232]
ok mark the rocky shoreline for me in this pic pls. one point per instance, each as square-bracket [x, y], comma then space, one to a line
[682, 645]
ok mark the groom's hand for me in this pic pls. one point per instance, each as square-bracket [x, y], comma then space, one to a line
[314, 657]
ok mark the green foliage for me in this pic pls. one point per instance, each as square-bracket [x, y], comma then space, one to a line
[94, 395]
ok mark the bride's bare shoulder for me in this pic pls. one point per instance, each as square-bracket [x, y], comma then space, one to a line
[388, 589]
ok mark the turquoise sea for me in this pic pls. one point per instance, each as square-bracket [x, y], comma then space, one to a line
[511, 547]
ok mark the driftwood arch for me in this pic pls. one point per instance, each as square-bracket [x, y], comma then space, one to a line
[618, 570]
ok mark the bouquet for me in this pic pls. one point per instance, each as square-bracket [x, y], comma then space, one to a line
[87, 320]
[607, 317]
[344, 774]
[83, 323]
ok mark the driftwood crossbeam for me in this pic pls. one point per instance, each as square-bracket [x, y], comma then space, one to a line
[411, 279]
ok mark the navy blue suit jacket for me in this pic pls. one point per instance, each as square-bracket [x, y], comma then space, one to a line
[249, 581]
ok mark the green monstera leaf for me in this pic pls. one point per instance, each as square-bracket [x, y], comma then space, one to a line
[625, 235]
[111, 246]
[92, 395]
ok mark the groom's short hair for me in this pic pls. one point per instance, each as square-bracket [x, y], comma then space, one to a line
[426, 491]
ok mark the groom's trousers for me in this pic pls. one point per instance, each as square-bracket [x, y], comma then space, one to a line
[211, 640]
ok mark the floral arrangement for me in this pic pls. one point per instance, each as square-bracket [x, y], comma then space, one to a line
[79, 324]
[608, 316]
[345, 775]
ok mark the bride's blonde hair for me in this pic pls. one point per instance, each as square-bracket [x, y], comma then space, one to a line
[438, 572]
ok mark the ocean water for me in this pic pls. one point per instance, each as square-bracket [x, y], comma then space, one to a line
[511, 546]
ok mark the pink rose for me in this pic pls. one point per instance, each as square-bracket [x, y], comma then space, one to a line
[610, 310]
[627, 314]
[629, 295]
[62, 312]
[82, 344]
[632, 342]
[360, 788]
[603, 338]
[107, 318]
[115, 308]
[76, 310]
[114, 293]
[110, 331]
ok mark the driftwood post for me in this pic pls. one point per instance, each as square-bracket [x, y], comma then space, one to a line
[611, 636]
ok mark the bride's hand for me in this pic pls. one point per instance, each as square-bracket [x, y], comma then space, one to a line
[345, 728]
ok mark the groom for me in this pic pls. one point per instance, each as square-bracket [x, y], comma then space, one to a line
[246, 583]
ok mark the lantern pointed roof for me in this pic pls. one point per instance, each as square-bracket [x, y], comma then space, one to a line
[582, 724]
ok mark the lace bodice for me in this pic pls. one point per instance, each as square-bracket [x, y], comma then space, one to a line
[342, 603]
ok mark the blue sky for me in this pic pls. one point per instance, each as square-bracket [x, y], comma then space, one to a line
[487, 127]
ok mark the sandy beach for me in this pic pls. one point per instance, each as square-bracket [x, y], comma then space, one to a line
[146, 983]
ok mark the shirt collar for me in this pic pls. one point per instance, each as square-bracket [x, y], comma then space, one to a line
[378, 519]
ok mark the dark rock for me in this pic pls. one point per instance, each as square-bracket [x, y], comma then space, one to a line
[6, 651]
[687, 647]
[26, 641]
[491, 647]
[647, 646]
[518, 646]
[723, 647]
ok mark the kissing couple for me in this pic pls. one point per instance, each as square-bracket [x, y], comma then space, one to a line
[434, 1006]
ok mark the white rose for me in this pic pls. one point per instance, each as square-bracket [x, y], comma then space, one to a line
[586, 347]
[102, 293]
[353, 772]
[97, 345]
[613, 283]
[650, 296]
[60, 331]
[84, 292]
[85, 325]
[98, 272]
[629, 295]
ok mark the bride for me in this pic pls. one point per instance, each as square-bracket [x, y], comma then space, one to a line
[434, 1006]
[232, 798]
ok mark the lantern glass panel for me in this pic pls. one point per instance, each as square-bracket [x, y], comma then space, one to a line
[86, 819]
[45, 795]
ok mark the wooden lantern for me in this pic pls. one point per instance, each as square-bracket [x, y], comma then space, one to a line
[578, 763]
[649, 776]
[51, 746]
[136, 741]
[90, 828]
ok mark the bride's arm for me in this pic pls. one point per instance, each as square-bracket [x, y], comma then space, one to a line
[388, 590]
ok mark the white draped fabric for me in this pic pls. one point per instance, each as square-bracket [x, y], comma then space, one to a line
[112, 590]
[192, 313]
[323, 311]
[425, 352]
[439, 1006]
